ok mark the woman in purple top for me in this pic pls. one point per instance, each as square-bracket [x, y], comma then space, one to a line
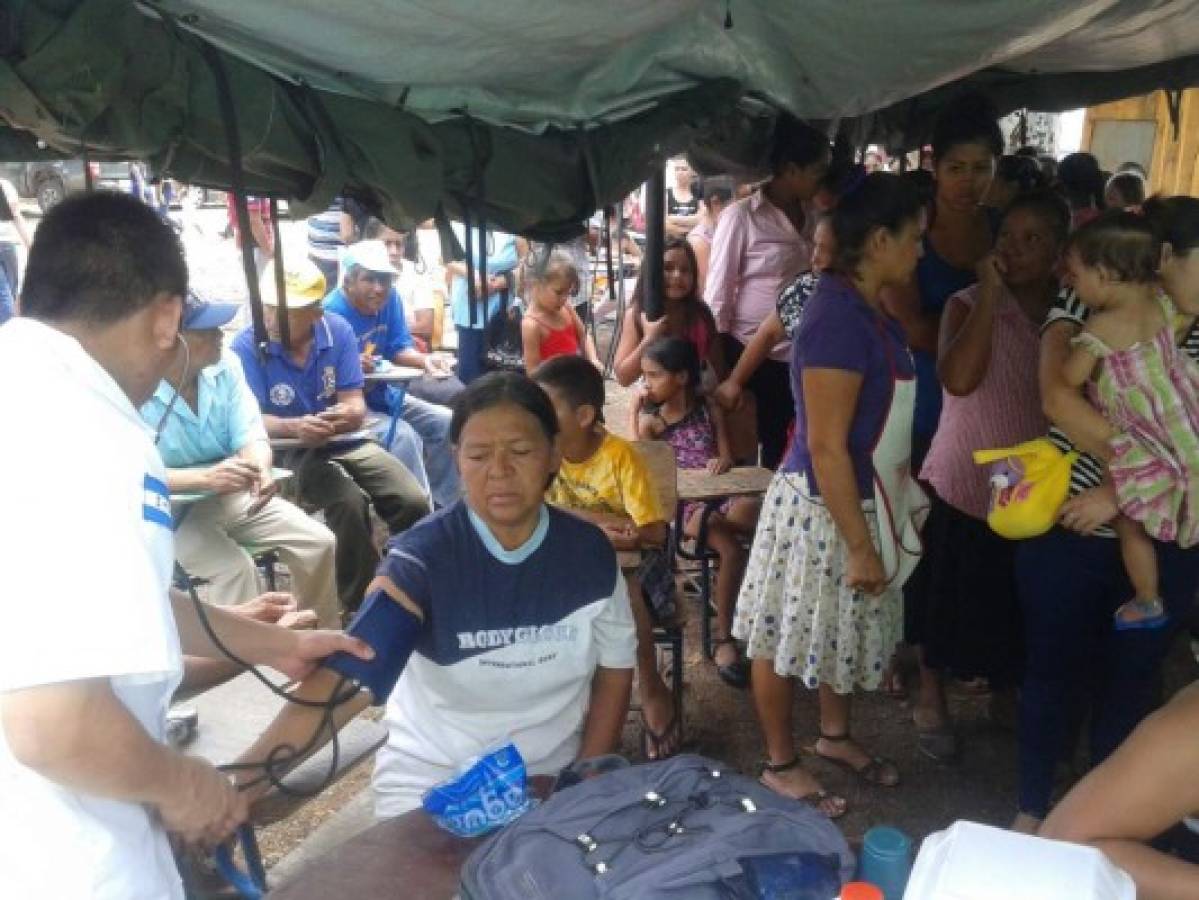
[837, 537]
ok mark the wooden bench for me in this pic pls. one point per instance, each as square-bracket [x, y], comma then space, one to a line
[659, 460]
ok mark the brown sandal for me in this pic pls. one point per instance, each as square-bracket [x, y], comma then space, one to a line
[873, 772]
[828, 805]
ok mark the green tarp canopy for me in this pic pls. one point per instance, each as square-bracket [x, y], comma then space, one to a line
[535, 112]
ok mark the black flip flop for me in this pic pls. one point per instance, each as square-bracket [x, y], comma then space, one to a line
[734, 674]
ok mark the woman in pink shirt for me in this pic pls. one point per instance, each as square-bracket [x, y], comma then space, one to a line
[987, 363]
[761, 242]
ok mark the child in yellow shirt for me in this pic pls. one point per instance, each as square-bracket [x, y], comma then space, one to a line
[604, 480]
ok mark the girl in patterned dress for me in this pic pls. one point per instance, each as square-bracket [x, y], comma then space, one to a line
[1148, 391]
[673, 410]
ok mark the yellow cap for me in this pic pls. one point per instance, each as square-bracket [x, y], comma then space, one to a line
[303, 281]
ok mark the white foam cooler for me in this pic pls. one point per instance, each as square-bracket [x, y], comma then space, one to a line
[969, 861]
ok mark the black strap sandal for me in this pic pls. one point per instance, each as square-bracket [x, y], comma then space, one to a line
[873, 772]
[828, 805]
[734, 674]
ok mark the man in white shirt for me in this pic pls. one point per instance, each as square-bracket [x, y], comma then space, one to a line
[89, 790]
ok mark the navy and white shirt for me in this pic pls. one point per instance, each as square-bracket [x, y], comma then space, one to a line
[287, 390]
[1087, 471]
[511, 642]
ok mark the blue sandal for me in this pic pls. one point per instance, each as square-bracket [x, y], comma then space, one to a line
[1153, 615]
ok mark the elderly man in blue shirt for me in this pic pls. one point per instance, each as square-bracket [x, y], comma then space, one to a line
[471, 324]
[211, 437]
[310, 394]
[368, 300]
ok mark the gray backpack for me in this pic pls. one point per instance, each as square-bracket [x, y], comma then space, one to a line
[682, 828]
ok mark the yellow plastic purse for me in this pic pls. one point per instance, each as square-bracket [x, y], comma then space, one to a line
[1029, 484]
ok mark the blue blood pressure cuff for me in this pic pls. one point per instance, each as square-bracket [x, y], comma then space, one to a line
[392, 631]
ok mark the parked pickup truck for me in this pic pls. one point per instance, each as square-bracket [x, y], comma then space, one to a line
[49, 181]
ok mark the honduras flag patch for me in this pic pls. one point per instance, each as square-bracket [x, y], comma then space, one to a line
[156, 502]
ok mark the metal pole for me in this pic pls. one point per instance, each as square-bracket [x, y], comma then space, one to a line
[655, 224]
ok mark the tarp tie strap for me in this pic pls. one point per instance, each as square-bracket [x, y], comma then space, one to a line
[89, 181]
[472, 295]
[476, 261]
[481, 259]
[237, 178]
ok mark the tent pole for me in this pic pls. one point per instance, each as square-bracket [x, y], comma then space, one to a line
[280, 279]
[618, 323]
[655, 225]
[605, 237]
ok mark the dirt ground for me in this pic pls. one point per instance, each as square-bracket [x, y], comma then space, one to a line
[719, 721]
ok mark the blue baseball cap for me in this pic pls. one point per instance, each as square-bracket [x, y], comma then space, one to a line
[200, 314]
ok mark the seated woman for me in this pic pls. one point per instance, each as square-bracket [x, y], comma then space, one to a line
[1147, 786]
[520, 621]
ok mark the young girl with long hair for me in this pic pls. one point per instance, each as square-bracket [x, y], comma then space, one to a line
[674, 410]
[550, 327]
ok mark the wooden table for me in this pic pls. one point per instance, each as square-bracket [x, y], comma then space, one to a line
[291, 443]
[697, 484]
[393, 373]
[408, 856]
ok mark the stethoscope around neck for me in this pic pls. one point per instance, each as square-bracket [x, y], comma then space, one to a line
[187, 363]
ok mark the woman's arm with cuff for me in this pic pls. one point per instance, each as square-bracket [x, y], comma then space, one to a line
[295, 725]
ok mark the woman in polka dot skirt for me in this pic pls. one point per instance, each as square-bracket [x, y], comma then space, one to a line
[821, 601]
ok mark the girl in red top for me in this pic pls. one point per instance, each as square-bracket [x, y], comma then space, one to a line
[550, 326]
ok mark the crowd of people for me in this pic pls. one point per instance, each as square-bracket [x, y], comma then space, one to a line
[869, 330]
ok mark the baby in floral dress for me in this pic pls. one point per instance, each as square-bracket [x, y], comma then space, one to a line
[1147, 389]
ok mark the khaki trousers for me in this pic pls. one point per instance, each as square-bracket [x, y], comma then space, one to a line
[216, 539]
[344, 485]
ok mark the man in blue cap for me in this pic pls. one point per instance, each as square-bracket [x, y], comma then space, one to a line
[211, 436]
[368, 300]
